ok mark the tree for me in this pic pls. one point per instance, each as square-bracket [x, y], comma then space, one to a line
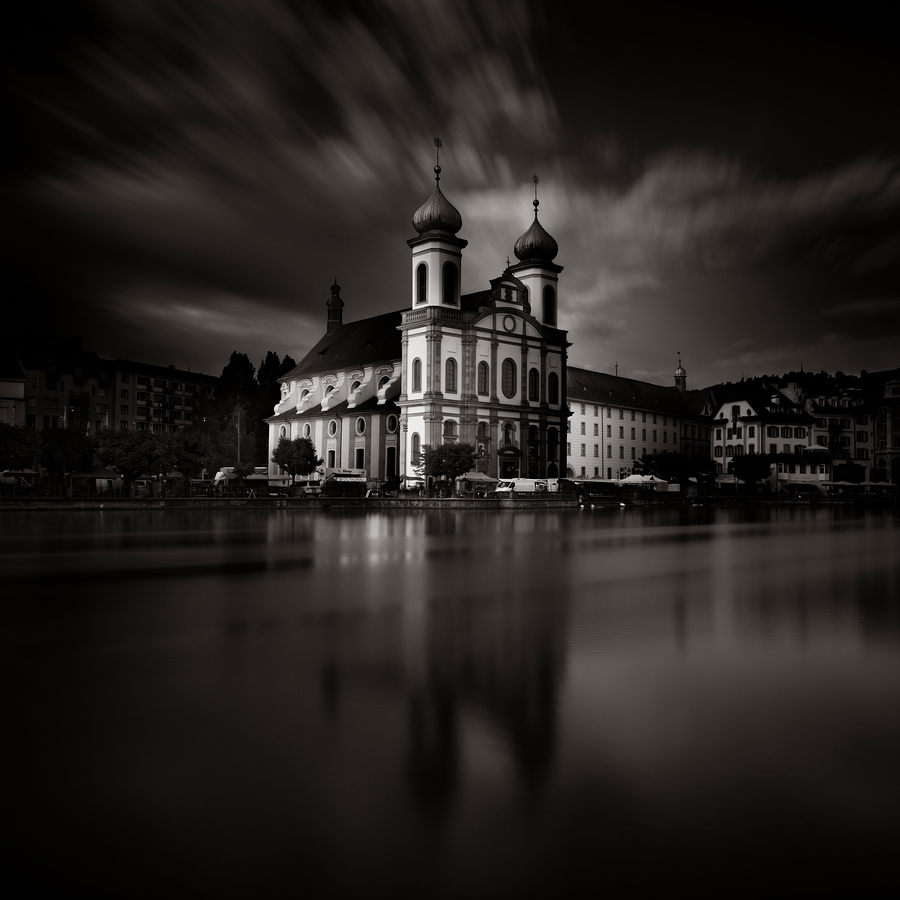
[20, 448]
[671, 467]
[296, 457]
[449, 460]
[193, 451]
[268, 394]
[236, 383]
[752, 468]
[66, 450]
[135, 453]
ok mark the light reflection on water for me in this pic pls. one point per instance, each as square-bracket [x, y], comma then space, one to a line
[452, 703]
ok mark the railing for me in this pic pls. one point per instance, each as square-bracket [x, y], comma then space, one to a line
[433, 312]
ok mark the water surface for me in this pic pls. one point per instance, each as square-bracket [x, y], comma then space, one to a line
[460, 703]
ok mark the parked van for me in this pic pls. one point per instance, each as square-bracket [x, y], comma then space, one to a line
[523, 485]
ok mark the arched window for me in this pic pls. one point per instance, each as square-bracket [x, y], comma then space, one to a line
[384, 381]
[451, 284]
[549, 305]
[421, 283]
[450, 375]
[416, 449]
[481, 431]
[553, 388]
[508, 375]
[304, 394]
[552, 443]
[449, 429]
[355, 386]
[482, 378]
[534, 382]
[417, 375]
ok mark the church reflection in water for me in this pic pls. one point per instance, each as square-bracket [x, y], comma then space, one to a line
[496, 659]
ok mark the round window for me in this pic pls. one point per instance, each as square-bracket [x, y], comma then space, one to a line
[307, 430]
[283, 432]
[392, 424]
[509, 323]
[332, 428]
[360, 425]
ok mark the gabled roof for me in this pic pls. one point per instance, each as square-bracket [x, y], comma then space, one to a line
[10, 366]
[583, 385]
[354, 345]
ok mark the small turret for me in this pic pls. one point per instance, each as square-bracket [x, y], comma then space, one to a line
[335, 307]
[680, 376]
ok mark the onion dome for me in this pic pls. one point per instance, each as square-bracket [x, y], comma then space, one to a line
[437, 213]
[536, 244]
[680, 371]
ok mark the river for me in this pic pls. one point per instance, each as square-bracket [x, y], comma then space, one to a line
[452, 703]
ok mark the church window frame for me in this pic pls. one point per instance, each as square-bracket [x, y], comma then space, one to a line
[415, 448]
[534, 384]
[282, 433]
[553, 388]
[332, 428]
[360, 425]
[417, 375]
[451, 429]
[450, 284]
[307, 430]
[483, 378]
[421, 283]
[548, 310]
[450, 373]
[508, 378]
[391, 424]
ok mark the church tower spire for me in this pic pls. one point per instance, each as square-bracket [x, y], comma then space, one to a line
[335, 307]
[680, 376]
[436, 252]
[536, 250]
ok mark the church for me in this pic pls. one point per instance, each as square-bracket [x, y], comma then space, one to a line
[486, 368]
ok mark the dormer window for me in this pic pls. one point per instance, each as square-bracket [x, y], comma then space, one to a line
[355, 387]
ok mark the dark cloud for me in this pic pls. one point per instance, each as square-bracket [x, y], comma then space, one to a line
[188, 177]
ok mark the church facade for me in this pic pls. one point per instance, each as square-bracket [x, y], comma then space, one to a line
[486, 368]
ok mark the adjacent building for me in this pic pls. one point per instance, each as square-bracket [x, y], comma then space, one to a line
[616, 421]
[69, 386]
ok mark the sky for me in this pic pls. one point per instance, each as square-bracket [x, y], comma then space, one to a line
[187, 179]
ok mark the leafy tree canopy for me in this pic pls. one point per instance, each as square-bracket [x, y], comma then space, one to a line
[67, 450]
[136, 453]
[237, 383]
[20, 448]
[450, 460]
[752, 468]
[296, 457]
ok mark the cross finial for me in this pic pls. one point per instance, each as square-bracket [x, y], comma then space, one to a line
[507, 262]
[438, 143]
[535, 179]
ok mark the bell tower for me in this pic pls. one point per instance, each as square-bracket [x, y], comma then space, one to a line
[536, 251]
[436, 252]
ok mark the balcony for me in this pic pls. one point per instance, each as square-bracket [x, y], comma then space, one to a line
[433, 313]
